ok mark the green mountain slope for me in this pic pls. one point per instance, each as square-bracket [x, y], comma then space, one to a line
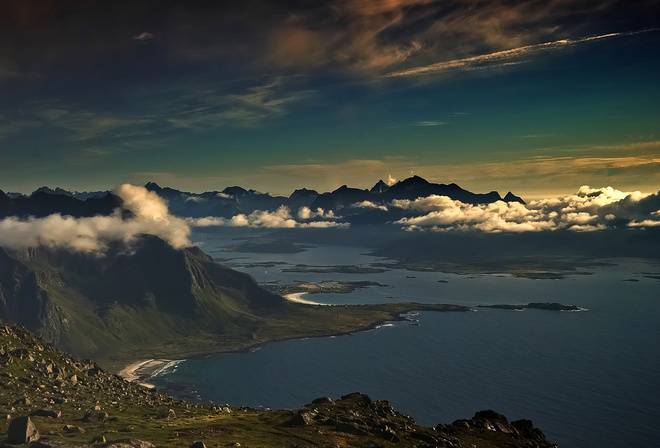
[93, 305]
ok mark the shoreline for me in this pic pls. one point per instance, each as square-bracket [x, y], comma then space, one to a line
[296, 298]
[142, 370]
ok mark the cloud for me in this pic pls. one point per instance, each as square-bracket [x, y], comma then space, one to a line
[429, 123]
[307, 213]
[499, 58]
[588, 209]
[390, 180]
[150, 215]
[280, 218]
[414, 37]
[369, 204]
[211, 107]
[144, 36]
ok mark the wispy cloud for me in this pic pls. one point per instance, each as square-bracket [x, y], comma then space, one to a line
[498, 58]
[211, 108]
[430, 123]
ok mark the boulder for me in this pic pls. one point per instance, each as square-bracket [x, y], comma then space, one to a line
[46, 412]
[350, 428]
[95, 417]
[198, 445]
[301, 418]
[131, 443]
[21, 430]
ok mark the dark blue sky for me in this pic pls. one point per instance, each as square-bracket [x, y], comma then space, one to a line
[538, 97]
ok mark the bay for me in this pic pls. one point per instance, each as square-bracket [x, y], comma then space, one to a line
[587, 379]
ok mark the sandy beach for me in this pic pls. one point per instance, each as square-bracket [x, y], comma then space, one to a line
[141, 370]
[296, 297]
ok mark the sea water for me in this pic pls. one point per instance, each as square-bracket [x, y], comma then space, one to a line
[587, 379]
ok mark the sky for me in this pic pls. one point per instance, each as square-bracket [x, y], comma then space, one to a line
[537, 97]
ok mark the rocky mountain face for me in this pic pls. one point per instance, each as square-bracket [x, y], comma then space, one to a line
[91, 304]
[49, 399]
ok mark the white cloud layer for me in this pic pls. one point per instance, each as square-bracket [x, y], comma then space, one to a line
[150, 216]
[587, 210]
[280, 218]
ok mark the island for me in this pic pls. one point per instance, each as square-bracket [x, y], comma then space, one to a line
[537, 305]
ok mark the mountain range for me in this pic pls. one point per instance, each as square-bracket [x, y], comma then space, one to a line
[237, 200]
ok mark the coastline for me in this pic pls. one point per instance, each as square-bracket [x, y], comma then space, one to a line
[296, 298]
[142, 370]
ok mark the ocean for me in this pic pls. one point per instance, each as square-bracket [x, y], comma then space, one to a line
[587, 378]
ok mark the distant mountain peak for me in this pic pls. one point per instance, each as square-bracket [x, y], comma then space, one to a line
[303, 193]
[510, 197]
[153, 186]
[236, 191]
[411, 183]
[49, 190]
[380, 187]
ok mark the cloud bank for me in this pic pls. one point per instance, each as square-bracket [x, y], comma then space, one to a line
[587, 210]
[280, 218]
[149, 215]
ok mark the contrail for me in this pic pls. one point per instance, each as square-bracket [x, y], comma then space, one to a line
[505, 55]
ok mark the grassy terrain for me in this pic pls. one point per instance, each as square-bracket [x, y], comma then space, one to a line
[297, 321]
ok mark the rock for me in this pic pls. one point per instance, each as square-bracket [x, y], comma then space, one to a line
[323, 400]
[73, 429]
[198, 445]
[350, 428]
[21, 430]
[171, 415]
[95, 416]
[98, 439]
[45, 412]
[53, 444]
[361, 399]
[23, 401]
[131, 443]
[302, 418]
[390, 434]
[526, 429]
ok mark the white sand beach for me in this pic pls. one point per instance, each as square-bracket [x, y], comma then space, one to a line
[143, 369]
[297, 297]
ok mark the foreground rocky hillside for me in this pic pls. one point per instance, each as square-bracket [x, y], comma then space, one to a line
[49, 399]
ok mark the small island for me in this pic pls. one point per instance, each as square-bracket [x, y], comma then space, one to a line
[338, 269]
[551, 306]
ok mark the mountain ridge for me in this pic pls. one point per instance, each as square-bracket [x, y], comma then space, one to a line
[236, 200]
